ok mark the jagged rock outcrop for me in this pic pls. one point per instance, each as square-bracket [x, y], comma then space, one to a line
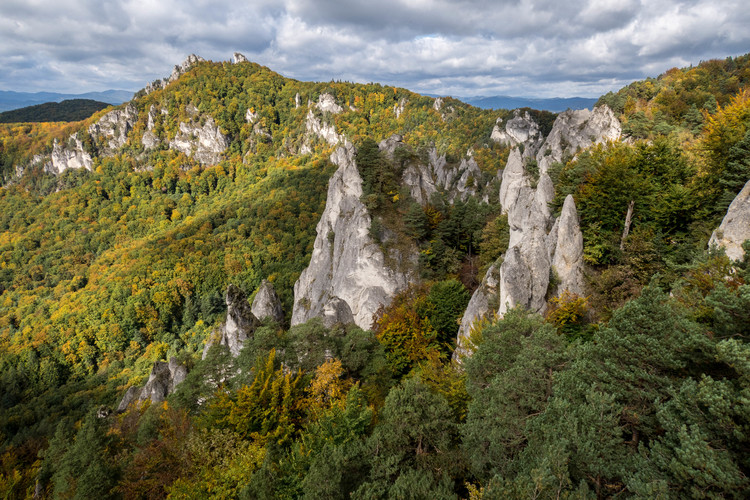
[149, 139]
[484, 301]
[204, 143]
[578, 129]
[459, 182]
[538, 243]
[178, 71]
[327, 104]
[521, 129]
[239, 325]
[322, 128]
[735, 227]
[267, 303]
[114, 128]
[162, 381]
[346, 263]
[567, 252]
[238, 58]
[70, 155]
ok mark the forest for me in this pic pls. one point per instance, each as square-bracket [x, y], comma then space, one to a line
[639, 389]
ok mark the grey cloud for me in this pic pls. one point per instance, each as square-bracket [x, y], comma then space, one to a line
[521, 47]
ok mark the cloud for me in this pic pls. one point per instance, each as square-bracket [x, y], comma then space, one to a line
[463, 47]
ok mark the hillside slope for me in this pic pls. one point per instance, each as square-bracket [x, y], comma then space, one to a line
[380, 228]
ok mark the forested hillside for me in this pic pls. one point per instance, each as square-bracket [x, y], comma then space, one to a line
[120, 234]
[70, 110]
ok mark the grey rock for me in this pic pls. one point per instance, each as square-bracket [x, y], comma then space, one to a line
[251, 116]
[335, 312]
[70, 155]
[267, 304]
[204, 143]
[735, 227]
[327, 104]
[114, 128]
[577, 129]
[162, 381]
[484, 302]
[325, 131]
[345, 262]
[398, 109]
[521, 129]
[183, 68]
[567, 256]
[438, 104]
[238, 58]
[239, 325]
[131, 395]
[178, 71]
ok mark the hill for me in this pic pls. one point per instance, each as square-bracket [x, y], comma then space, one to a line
[243, 285]
[70, 110]
[553, 104]
[10, 100]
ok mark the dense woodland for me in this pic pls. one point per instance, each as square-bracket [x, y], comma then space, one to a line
[69, 110]
[639, 389]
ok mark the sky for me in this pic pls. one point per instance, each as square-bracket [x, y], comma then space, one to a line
[531, 48]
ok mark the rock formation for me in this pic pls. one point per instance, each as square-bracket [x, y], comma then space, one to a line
[239, 325]
[238, 58]
[538, 243]
[71, 155]
[162, 381]
[567, 254]
[204, 143]
[735, 227]
[114, 127]
[322, 128]
[483, 302]
[266, 303]
[521, 129]
[178, 71]
[578, 129]
[346, 264]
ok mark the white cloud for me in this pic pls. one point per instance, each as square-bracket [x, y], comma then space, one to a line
[463, 47]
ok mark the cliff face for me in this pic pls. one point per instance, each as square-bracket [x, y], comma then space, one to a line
[204, 142]
[346, 265]
[735, 227]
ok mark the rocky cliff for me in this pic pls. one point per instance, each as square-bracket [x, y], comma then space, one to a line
[113, 128]
[204, 142]
[540, 245]
[347, 269]
[735, 227]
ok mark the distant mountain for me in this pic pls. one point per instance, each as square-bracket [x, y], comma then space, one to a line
[554, 104]
[14, 100]
[70, 110]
